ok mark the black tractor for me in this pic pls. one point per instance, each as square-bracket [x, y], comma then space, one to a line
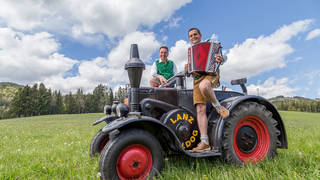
[161, 121]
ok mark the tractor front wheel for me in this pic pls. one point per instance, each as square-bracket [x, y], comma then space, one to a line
[134, 154]
[98, 142]
[250, 134]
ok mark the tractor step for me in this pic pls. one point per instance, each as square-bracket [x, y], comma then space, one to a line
[209, 153]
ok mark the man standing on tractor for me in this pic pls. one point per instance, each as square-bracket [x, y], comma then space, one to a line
[162, 69]
[202, 91]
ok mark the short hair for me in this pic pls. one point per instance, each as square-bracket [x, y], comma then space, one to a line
[165, 47]
[194, 29]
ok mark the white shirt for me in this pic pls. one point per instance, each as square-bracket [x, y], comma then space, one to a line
[154, 70]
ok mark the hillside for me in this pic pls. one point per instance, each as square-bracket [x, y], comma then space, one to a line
[296, 103]
[289, 99]
[9, 84]
[7, 92]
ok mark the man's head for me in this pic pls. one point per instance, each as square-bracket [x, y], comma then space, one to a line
[163, 53]
[194, 35]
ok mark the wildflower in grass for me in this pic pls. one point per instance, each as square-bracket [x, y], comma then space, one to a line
[59, 161]
[300, 153]
[19, 150]
[295, 174]
[98, 175]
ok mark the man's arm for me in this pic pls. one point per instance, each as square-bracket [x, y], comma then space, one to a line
[154, 71]
[175, 69]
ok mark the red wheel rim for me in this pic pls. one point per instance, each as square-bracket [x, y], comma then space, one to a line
[262, 139]
[103, 143]
[134, 162]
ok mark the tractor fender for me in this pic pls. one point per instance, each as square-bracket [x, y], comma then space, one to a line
[163, 133]
[106, 119]
[232, 102]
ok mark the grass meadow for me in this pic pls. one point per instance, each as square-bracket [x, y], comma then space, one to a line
[57, 147]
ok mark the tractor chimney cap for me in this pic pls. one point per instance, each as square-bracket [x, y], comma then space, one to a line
[134, 61]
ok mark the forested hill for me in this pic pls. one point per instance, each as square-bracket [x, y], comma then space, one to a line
[4, 85]
[296, 103]
[7, 92]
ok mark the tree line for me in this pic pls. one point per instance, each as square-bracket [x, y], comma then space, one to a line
[39, 100]
[299, 105]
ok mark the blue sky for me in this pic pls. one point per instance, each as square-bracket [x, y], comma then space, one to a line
[71, 44]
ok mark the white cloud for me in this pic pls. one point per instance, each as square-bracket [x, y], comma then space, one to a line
[178, 54]
[26, 58]
[147, 45]
[174, 22]
[296, 59]
[112, 18]
[214, 37]
[313, 34]
[312, 77]
[272, 88]
[164, 38]
[262, 54]
[23, 15]
[319, 92]
[32, 58]
[110, 70]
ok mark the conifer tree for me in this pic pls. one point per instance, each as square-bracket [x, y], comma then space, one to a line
[80, 102]
[70, 104]
[99, 98]
[44, 97]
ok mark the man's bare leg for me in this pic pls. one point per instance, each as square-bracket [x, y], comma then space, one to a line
[202, 118]
[203, 127]
[206, 91]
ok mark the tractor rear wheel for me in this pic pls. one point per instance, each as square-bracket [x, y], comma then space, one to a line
[250, 134]
[134, 154]
[98, 142]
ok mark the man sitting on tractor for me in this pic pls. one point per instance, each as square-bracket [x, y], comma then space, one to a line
[162, 69]
[202, 91]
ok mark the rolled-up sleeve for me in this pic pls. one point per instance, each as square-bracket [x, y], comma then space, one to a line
[175, 69]
[154, 71]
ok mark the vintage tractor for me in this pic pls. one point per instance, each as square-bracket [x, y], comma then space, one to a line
[162, 121]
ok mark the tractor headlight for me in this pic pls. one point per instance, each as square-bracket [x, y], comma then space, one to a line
[114, 107]
[122, 110]
[107, 109]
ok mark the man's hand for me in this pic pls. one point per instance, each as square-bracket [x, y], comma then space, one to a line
[162, 79]
[218, 58]
[195, 74]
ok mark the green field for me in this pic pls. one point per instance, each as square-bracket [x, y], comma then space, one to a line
[57, 147]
